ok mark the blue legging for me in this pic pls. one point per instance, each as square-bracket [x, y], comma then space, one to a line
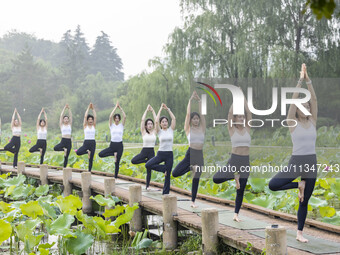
[235, 161]
[144, 156]
[298, 166]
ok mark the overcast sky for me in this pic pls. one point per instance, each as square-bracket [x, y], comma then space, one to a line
[137, 28]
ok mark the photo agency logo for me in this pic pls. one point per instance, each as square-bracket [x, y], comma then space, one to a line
[238, 102]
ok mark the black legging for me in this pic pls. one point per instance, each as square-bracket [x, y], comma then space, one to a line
[110, 151]
[241, 165]
[144, 156]
[41, 144]
[298, 166]
[14, 147]
[192, 158]
[88, 145]
[168, 158]
[65, 143]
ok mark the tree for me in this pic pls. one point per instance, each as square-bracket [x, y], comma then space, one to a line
[104, 59]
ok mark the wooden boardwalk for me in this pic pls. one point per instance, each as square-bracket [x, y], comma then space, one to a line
[324, 238]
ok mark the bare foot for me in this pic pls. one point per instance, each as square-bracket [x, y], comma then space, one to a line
[89, 153]
[115, 154]
[236, 218]
[301, 186]
[300, 237]
[237, 180]
[40, 151]
[193, 205]
[165, 173]
[65, 152]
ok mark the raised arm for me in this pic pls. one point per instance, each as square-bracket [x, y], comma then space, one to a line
[313, 100]
[62, 114]
[247, 112]
[173, 118]
[70, 115]
[94, 115]
[292, 108]
[124, 115]
[142, 126]
[13, 118]
[45, 116]
[157, 128]
[111, 115]
[85, 116]
[187, 116]
[19, 119]
[39, 116]
[203, 123]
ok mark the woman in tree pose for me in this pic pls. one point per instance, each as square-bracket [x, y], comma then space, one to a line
[164, 154]
[302, 127]
[42, 135]
[238, 166]
[116, 145]
[194, 127]
[65, 123]
[14, 145]
[149, 140]
[89, 145]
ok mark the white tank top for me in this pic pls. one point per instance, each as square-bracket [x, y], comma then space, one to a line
[165, 139]
[116, 132]
[16, 131]
[304, 140]
[66, 129]
[42, 133]
[149, 140]
[195, 137]
[90, 133]
[238, 140]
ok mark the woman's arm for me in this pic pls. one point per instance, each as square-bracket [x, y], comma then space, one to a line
[157, 128]
[187, 116]
[45, 116]
[173, 118]
[111, 116]
[19, 119]
[203, 123]
[70, 115]
[313, 100]
[292, 108]
[85, 116]
[13, 118]
[142, 125]
[94, 115]
[39, 116]
[62, 114]
[124, 115]
[248, 113]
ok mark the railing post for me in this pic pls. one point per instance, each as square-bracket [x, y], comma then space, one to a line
[86, 189]
[276, 240]
[44, 174]
[209, 231]
[170, 226]
[109, 186]
[21, 167]
[135, 196]
[67, 177]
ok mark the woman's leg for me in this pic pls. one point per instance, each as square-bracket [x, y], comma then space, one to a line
[107, 152]
[92, 149]
[169, 160]
[83, 149]
[240, 192]
[154, 163]
[34, 148]
[10, 146]
[119, 155]
[68, 146]
[183, 167]
[43, 145]
[140, 158]
[150, 155]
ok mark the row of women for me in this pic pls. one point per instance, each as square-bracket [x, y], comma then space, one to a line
[303, 137]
